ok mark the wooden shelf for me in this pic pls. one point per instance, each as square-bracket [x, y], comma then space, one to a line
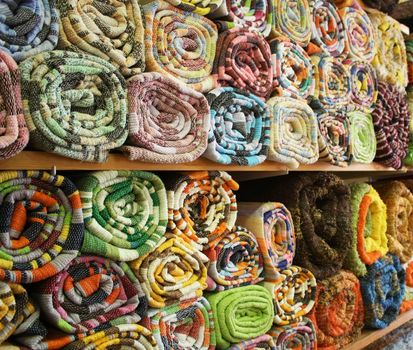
[403, 10]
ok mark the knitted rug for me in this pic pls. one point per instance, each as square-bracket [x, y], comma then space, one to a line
[240, 127]
[74, 104]
[241, 314]
[300, 335]
[41, 223]
[363, 138]
[168, 122]
[14, 134]
[234, 260]
[408, 41]
[204, 8]
[407, 303]
[28, 27]
[180, 45]
[263, 342]
[243, 60]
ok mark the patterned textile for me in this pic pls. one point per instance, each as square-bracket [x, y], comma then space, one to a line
[363, 137]
[28, 27]
[407, 303]
[293, 71]
[240, 127]
[74, 104]
[180, 45]
[203, 8]
[188, 325]
[41, 225]
[408, 160]
[168, 122]
[383, 289]
[14, 134]
[273, 226]
[202, 205]
[391, 123]
[241, 314]
[263, 342]
[300, 335]
[125, 213]
[293, 132]
[174, 271]
[409, 57]
[243, 61]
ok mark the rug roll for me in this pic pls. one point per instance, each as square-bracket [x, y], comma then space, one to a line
[74, 104]
[299, 335]
[41, 225]
[293, 71]
[241, 314]
[202, 205]
[294, 132]
[125, 213]
[264, 342]
[187, 325]
[28, 27]
[14, 134]
[407, 303]
[408, 41]
[408, 160]
[363, 138]
[243, 61]
[168, 122]
[272, 224]
[383, 289]
[234, 260]
[180, 45]
[205, 8]
[240, 127]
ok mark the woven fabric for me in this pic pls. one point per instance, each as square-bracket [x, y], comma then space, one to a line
[241, 314]
[293, 132]
[188, 325]
[240, 127]
[243, 61]
[168, 122]
[272, 224]
[41, 225]
[408, 160]
[14, 134]
[202, 205]
[301, 335]
[409, 57]
[174, 271]
[407, 303]
[338, 314]
[234, 260]
[125, 213]
[28, 27]
[180, 45]
[363, 138]
[203, 8]
[264, 342]
[74, 104]
[293, 296]
[383, 289]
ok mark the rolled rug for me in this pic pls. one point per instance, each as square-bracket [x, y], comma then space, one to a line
[205, 8]
[243, 61]
[28, 27]
[125, 213]
[383, 289]
[264, 342]
[74, 104]
[174, 271]
[363, 138]
[168, 122]
[41, 225]
[180, 45]
[301, 335]
[408, 160]
[241, 314]
[407, 303]
[409, 57]
[14, 134]
[294, 132]
[293, 71]
[201, 205]
[272, 224]
[234, 260]
[240, 127]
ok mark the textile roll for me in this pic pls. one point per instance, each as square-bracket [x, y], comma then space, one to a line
[241, 314]
[294, 296]
[407, 303]
[273, 226]
[391, 123]
[383, 289]
[408, 160]
[202, 205]
[204, 8]
[363, 138]
[293, 132]
[234, 260]
[299, 335]
[264, 342]
[243, 61]
[41, 225]
[187, 325]
[293, 71]
[409, 57]
[74, 104]
[174, 271]
[168, 122]
[240, 127]
[180, 45]
[28, 27]
[369, 227]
